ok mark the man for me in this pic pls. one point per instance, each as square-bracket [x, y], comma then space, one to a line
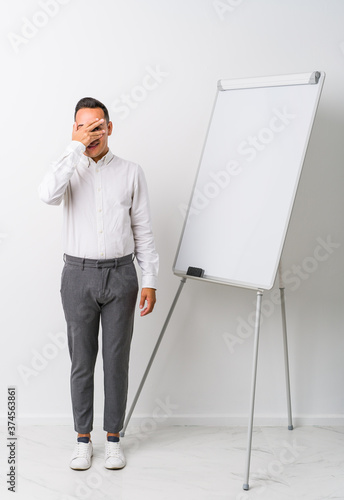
[106, 224]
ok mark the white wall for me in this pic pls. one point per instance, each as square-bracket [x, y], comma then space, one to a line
[106, 49]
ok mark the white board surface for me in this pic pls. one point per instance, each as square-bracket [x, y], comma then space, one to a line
[247, 179]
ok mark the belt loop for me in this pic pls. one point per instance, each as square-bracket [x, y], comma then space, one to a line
[83, 263]
[133, 257]
[64, 257]
[115, 265]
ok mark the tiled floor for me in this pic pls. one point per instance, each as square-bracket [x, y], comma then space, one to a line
[182, 463]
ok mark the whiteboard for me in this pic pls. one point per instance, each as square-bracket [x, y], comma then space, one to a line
[241, 203]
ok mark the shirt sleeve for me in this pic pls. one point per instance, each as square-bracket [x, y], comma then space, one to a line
[145, 252]
[52, 188]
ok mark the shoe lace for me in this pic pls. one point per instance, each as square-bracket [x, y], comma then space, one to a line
[81, 450]
[113, 449]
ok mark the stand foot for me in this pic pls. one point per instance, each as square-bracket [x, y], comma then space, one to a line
[245, 487]
[290, 427]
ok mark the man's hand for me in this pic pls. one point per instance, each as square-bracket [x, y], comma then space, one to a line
[147, 294]
[84, 133]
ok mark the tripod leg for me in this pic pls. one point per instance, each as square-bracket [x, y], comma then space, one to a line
[253, 388]
[153, 356]
[286, 359]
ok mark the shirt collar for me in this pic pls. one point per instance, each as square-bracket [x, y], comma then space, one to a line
[104, 161]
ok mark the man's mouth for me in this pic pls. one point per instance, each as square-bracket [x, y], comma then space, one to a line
[93, 145]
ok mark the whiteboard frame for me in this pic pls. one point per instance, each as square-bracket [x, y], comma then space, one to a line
[312, 78]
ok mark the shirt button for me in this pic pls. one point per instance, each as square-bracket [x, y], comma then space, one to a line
[100, 231]
[99, 210]
[101, 254]
[97, 169]
[98, 189]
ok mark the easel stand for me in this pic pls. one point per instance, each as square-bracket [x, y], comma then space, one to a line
[167, 320]
[254, 369]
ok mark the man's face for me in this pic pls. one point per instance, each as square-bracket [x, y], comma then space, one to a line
[98, 148]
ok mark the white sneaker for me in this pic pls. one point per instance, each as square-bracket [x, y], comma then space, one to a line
[81, 457]
[114, 456]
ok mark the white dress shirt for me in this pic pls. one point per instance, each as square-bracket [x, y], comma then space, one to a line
[106, 208]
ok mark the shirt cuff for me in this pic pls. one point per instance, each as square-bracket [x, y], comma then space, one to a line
[75, 153]
[77, 145]
[149, 281]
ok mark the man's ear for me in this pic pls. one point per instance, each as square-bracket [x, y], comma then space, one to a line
[110, 128]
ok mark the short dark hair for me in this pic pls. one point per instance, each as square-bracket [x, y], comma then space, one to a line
[90, 102]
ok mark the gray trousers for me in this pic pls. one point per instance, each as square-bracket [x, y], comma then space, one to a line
[94, 291]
